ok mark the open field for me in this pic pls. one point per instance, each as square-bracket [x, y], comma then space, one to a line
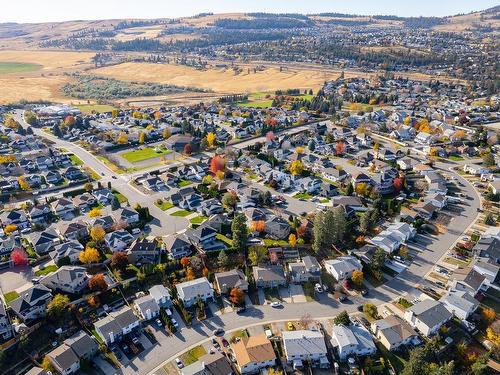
[94, 108]
[144, 154]
[219, 80]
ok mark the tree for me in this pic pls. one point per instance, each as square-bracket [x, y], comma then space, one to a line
[47, 365]
[122, 138]
[292, 240]
[237, 296]
[362, 189]
[357, 277]
[342, 319]
[222, 259]
[370, 310]
[93, 301]
[398, 183]
[98, 283]
[239, 232]
[30, 118]
[299, 150]
[23, 184]
[88, 187]
[365, 222]
[488, 314]
[89, 255]
[58, 305]
[188, 149]
[229, 200]
[488, 160]
[97, 233]
[95, 212]
[9, 228]
[185, 262]
[257, 255]
[211, 137]
[190, 275]
[258, 226]
[166, 133]
[329, 228]
[142, 137]
[119, 260]
[340, 148]
[296, 167]
[217, 163]
[19, 257]
[489, 219]
[349, 189]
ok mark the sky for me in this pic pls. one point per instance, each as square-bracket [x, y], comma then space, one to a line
[63, 10]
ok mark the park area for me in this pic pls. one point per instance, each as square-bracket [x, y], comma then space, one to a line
[144, 153]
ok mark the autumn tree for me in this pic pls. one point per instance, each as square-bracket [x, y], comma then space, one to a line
[340, 148]
[190, 275]
[257, 255]
[47, 365]
[119, 260]
[211, 137]
[23, 184]
[89, 255]
[95, 212]
[188, 149]
[217, 163]
[270, 136]
[292, 240]
[97, 233]
[299, 150]
[19, 257]
[30, 117]
[98, 283]
[488, 314]
[296, 167]
[93, 301]
[258, 226]
[58, 305]
[122, 138]
[357, 277]
[166, 133]
[237, 296]
[69, 120]
[398, 183]
[370, 310]
[185, 262]
[142, 137]
[362, 189]
[9, 228]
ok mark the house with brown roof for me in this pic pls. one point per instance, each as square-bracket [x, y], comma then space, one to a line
[393, 332]
[253, 354]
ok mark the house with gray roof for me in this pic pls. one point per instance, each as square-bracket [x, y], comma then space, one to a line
[427, 316]
[118, 323]
[460, 303]
[352, 340]
[64, 360]
[161, 295]
[67, 250]
[68, 279]
[342, 267]
[209, 364]
[31, 304]
[146, 307]
[307, 269]
[82, 344]
[394, 332]
[177, 246]
[305, 345]
[225, 281]
[269, 276]
[190, 291]
[6, 330]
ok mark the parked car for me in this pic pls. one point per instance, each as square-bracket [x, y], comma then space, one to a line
[159, 323]
[318, 288]
[218, 332]
[135, 340]
[342, 298]
[179, 363]
[276, 305]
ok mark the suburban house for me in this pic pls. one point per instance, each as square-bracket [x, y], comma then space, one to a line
[73, 230]
[209, 364]
[427, 316]
[470, 280]
[269, 276]
[67, 250]
[394, 332]
[161, 295]
[342, 267]
[253, 354]
[116, 324]
[68, 279]
[225, 281]
[352, 340]
[146, 307]
[144, 251]
[32, 303]
[83, 345]
[460, 303]
[308, 269]
[64, 208]
[118, 240]
[177, 246]
[190, 291]
[64, 360]
[127, 215]
[6, 330]
[305, 345]
[44, 242]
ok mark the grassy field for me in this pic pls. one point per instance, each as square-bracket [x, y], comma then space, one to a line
[46, 270]
[17, 67]
[165, 205]
[198, 220]
[191, 356]
[144, 154]
[94, 108]
[181, 213]
[10, 296]
[75, 160]
[121, 198]
[184, 183]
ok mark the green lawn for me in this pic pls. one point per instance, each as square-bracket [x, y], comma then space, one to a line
[256, 103]
[165, 205]
[144, 154]
[10, 296]
[397, 361]
[121, 198]
[183, 183]
[181, 213]
[456, 262]
[241, 334]
[198, 220]
[17, 67]
[95, 108]
[93, 174]
[191, 356]
[455, 158]
[111, 165]
[75, 160]
[46, 270]
[224, 239]
[270, 242]
[303, 196]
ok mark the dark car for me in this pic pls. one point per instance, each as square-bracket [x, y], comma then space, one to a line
[225, 343]
[342, 298]
[364, 292]
[360, 308]
[241, 310]
[215, 343]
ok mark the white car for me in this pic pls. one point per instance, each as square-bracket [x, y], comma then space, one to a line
[174, 322]
[179, 363]
[318, 288]
[276, 304]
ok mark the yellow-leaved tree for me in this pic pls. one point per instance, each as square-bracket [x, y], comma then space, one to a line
[89, 255]
[211, 137]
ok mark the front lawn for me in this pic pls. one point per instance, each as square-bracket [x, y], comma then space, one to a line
[224, 239]
[145, 154]
[75, 160]
[455, 157]
[10, 296]
[183, 183]
[46, 270]
[121, 198]
[164, 205]
[275, 243]
[198, 220]
[303, 196]
[192, 355]
[181, 213]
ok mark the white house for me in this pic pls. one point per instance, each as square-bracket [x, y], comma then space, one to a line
[146, 307]
[352, 340]
[305, 345]
[161, 295]
[460, 303]
[427, 316]
[342, 267]
[190, 291]
[117, 324]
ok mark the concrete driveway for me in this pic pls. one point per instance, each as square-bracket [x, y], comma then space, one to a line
[297, 293]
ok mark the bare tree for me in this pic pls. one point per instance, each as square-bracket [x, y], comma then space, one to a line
[306, 320]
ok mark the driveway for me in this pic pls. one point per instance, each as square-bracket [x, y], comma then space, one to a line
[16, 278]
[297, 293]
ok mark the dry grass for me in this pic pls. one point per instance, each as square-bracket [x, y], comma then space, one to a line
[219, 80]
